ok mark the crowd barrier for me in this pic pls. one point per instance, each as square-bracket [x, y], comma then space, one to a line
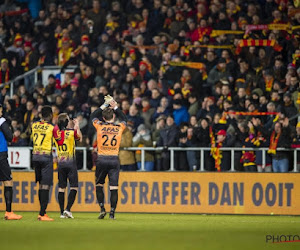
[38, 74]
[174, 192]
[15, 155]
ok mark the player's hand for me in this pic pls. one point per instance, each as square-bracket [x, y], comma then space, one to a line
[108, 99]
[113, 104]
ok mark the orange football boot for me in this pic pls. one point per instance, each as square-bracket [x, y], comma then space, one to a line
[45, 218]
[12, 216]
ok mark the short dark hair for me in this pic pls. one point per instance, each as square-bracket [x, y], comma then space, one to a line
[46, 112]
[63, 121]
[108, 114]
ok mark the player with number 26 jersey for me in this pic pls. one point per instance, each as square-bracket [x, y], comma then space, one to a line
[108, 137]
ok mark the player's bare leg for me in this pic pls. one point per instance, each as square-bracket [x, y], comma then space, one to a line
[113, 201]
[71, 198]
[100, 198]
[44, 199]
[8, 194]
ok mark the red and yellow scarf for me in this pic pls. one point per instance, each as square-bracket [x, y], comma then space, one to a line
[6, 77]
[25, 64]
[273, 143]
[215, 151]
[63, 56]
[269, 84]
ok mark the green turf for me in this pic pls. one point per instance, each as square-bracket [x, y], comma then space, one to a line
[148, 231]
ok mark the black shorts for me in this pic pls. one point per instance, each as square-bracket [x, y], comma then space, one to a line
[108, 165]
[5, 172]
[43, 167]
[67, 171]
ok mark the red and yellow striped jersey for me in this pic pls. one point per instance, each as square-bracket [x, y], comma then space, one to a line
[66, 151]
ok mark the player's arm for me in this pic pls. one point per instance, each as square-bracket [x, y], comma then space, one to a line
[77, 131]
[58, 135]
[97, 114]
[120, 115]
[4, 127]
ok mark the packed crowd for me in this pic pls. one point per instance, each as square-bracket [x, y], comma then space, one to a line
[184, 72]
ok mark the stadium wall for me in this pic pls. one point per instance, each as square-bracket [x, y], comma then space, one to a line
[176, 192]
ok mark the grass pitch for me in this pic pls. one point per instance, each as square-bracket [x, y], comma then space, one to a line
[148, 231]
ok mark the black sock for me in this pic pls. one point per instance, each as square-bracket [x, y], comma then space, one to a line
[40, 199]
[113, 199]
[8, 193]
[44, 200]
[71, 199]
[100, 196]
[61, 201]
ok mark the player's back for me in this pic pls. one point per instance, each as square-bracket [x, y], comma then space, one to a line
[66, 151]
[42, 137]
[109, 138]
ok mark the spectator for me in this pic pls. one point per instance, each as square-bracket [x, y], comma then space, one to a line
[163, 109]
[97, 15]
[29, 115]
[156, 128]
[222, 158]
[143, 139]
[4, 72]
[180, 112]
[217, 73]
[296, 144]
[193, 108]
[147, 112]
[134, 117]
[280, 138]
[168, 138]
[289, 108]
[262, 140]
[17, 140]
[127, 160]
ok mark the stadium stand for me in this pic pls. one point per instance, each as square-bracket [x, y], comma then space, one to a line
[220, 73]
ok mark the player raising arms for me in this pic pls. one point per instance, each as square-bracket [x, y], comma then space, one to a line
[42, 135]
[5, 172]
[108, 142]
[67, 167]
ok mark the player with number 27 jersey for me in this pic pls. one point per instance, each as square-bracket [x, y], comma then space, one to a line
[43, 133]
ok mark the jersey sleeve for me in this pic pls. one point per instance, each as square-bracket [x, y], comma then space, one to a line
[96, 123]
[58, 135]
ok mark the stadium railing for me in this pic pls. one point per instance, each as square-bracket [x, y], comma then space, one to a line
[19, 153]
[11, 83]
[44, 73]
